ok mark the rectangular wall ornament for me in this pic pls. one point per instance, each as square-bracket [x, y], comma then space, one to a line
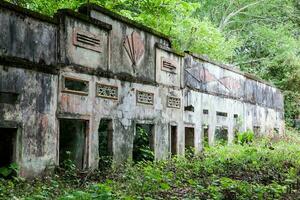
[87, 40]
[173, 102]
[106, 91]
[168, 65]
[145, 97]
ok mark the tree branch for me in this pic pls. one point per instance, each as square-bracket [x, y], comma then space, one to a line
[225, 21]
[250, 61]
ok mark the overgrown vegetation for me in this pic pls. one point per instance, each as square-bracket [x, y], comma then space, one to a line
[258, 36]
[268, 168]
[141, 146]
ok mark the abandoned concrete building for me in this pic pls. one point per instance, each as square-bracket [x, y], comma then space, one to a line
[84, 81]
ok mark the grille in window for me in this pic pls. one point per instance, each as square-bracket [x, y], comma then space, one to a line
[107, 91]
[145, 97]
[174, 102]
[87, 40]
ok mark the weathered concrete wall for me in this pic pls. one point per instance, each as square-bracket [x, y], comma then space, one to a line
[142, 42]
[225, 82]
[27, 37]
[166, 76]
[249, 116]
[70, 53]
[125, 112]
[217, 89]
[33, 114]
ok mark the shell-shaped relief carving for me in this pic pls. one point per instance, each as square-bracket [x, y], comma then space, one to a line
[134, 47]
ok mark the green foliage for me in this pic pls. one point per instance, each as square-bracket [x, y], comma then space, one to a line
[268, 34]
[98, 191]
[9, 171]
[246, 137]
[142, 150]
[291, 106]
[221, 135]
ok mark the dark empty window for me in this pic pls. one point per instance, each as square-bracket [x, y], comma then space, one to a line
[223, 114]
[7, 146]
[8, 97]
[76, 85]
[235, 116]
[143, 144]
[189, 140]
[173, 140]
[72, 139]
[205, 112]
[105, 135]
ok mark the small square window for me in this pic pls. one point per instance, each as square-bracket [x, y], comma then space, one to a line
[76, 86]
[205, 112]
[8, 97]
[145, 97]
[173, 102]
[223, 114]
[106, 91]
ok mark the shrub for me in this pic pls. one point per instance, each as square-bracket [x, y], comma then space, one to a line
[9, 171]
[245, 137]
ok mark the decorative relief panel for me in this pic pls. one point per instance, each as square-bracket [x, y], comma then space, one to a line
[134, 47]
[168, 65]
[87, 40]
[107, 91]
[145, 97]
[174, 102]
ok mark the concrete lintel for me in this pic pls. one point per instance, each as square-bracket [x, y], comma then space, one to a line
[72, 116]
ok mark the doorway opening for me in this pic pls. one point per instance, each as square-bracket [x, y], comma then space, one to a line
[173, 140]
[221, 135]
[7, 146]
[72, 142]
[189, 140]
[105, 136]
[143, 144]
[205, 135]
[256, 130]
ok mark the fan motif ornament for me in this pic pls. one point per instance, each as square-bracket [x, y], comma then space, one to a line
[134, 47]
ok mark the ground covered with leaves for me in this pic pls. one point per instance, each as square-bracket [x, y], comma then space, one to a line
[264, 169]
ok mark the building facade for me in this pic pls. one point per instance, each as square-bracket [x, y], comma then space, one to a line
[85, 81]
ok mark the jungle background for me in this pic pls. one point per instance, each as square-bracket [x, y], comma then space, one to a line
[257, 36]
